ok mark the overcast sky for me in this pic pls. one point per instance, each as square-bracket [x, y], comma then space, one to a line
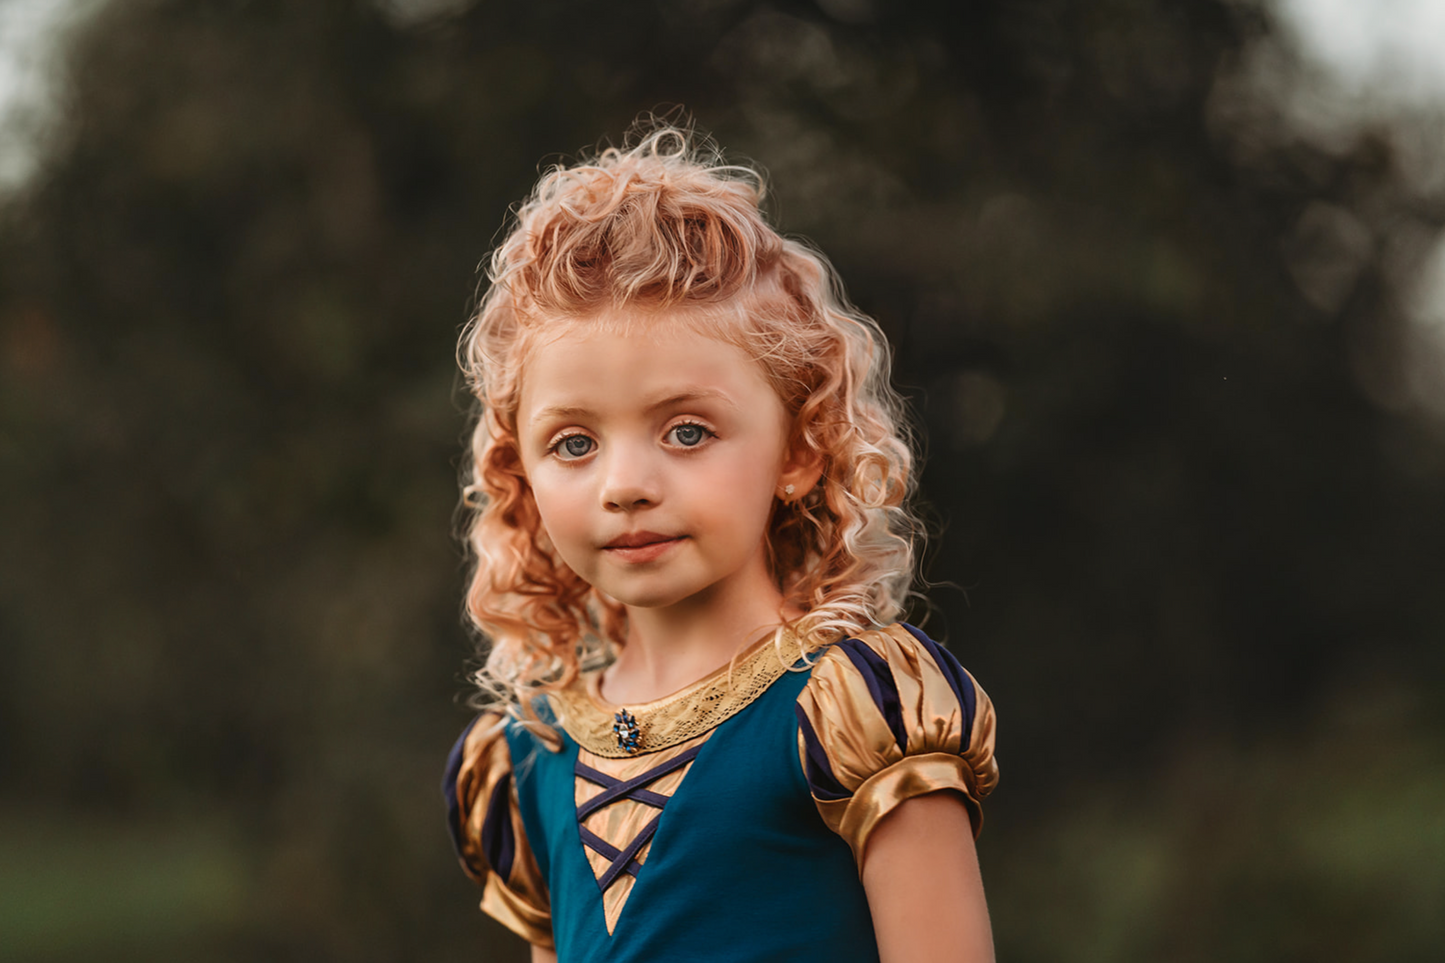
[1393, 48]
[28, 30]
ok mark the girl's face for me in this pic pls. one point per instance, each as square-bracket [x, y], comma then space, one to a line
[654, 458]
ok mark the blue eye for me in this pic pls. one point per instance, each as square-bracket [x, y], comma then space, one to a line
[574, 446]
[689, 435]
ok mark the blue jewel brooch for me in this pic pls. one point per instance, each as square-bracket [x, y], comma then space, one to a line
[624, 727]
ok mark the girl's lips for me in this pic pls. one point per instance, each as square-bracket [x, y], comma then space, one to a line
[645, 552]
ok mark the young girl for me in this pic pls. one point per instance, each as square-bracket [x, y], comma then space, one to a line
[688, 495]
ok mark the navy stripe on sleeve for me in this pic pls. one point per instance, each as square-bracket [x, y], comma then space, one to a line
[958, 679]
[817, 769]
[449, 787]
[881, 685]
[498, 841]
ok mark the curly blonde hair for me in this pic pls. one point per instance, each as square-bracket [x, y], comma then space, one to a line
[664, 223]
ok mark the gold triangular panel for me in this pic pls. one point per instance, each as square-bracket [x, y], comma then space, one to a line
[618, 822]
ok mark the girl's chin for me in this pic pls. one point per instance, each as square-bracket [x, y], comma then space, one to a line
[639, 594]
[645, 599]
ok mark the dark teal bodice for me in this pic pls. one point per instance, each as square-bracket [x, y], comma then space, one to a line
[741, 868]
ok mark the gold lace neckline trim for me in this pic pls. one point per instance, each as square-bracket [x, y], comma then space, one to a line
[700, 707]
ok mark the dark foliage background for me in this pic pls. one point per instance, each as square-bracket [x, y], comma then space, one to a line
[1157, 329]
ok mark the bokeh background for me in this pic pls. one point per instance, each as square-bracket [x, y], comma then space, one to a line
[1166, 284]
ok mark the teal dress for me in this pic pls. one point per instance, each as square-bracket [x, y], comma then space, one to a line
[737, 811]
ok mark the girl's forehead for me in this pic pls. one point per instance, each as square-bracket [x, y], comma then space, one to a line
[650, 352]
[645, 323]
[580, 364]
[639, 333]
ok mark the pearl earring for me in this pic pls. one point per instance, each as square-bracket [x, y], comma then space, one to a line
[788, 491]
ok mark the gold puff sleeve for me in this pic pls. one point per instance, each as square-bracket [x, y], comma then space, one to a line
[887, 716]
[486, 828]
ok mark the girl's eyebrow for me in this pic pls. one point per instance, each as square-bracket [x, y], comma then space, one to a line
[693, 394]
[552, 412]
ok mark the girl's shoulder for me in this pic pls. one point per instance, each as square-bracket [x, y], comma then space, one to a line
[487, 831]
[896, 666]
[887, 715]
[478, 768]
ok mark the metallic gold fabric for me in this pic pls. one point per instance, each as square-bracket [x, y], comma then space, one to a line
[680, 717]
[516, 912]
[520, 901]
[863, 751]
[620, 821]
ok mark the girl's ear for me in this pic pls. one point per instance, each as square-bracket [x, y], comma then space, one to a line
[801, 471]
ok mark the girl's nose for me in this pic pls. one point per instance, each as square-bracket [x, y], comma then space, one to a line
[629, 483]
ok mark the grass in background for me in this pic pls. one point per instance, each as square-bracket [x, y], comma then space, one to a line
[1328, 843]
[107, 889]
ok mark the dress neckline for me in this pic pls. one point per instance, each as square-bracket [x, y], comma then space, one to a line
[616, 732]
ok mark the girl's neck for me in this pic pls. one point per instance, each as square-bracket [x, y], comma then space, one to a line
[668, 649]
